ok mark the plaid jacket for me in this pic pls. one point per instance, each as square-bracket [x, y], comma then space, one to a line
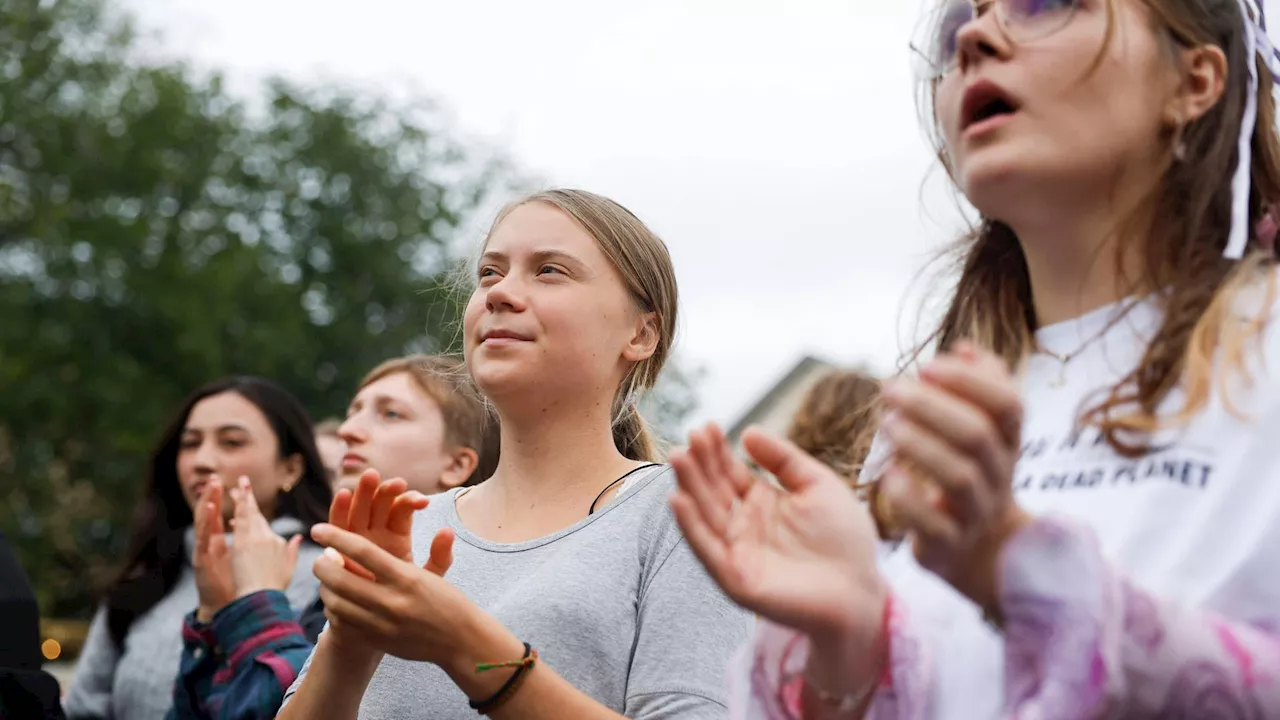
[239, 666]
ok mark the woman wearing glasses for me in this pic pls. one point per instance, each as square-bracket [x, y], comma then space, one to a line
[1084, 475]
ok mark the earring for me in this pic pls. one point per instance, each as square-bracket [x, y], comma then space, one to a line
[1179, 145]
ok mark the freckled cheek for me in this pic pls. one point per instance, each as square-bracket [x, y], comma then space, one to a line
[470, 316]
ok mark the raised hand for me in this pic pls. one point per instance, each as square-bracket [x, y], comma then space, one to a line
[211, 560]
[260, 559]
[802, 556]
[958, 430]
[380, 511]
[401, 609]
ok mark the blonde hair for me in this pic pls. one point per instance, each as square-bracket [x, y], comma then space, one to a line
[467, 420]
[836, 419]
[644, 264]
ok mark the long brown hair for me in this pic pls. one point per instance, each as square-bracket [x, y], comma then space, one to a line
[644, 264]
[1182, 255]
[157, 553]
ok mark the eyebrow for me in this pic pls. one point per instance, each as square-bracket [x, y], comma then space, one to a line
[538, 255]
[383, 399]
[220, 428]
[378, 399]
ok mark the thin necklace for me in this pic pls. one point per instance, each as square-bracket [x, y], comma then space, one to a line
[1064, 358]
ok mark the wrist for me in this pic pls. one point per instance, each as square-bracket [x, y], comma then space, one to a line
[205, 613]
[344, 644]
[847, 658]
[252, 588]
[483, 640]
[983, 588]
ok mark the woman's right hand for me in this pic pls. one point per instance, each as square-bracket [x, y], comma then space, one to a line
[211, 559]
[801, 556]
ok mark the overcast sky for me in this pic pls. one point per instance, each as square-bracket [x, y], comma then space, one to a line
[774, 146]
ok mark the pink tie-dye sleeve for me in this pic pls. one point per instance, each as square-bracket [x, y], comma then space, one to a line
[1082, 642]
[767, 675]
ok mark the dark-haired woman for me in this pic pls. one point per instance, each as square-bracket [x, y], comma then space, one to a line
[240, 427]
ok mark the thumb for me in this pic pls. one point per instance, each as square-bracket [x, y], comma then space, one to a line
[793, 467]
[441, 556]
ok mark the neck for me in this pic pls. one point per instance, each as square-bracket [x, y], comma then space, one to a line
[556, 453]
[1071, 257]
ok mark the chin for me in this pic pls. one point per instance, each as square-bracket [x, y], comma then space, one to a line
[995, 183]
[495, 378]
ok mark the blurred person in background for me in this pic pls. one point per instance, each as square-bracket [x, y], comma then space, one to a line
[242, 427]
[417, 419]
[833, 419]
[569, 592]
[421, 419]
[331, 447]
[26, 691]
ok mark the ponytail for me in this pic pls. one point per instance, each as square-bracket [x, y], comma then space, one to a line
[634, 438]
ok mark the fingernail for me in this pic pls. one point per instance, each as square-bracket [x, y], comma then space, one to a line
[333, 555]
[235, 494]
[244, 481]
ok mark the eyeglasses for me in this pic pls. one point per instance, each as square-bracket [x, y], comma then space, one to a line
[936, 43]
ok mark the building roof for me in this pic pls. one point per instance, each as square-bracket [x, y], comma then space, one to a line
[774, 410]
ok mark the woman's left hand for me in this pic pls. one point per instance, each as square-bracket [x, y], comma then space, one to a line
[407, 611]
[955, 435]
[260, 559]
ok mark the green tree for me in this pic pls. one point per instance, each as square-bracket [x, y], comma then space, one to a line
[156, 234]
[673, 399]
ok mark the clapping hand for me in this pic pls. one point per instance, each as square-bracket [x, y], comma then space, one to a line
[380, 511]
[260, 558]
[390, 604]
[211, 558]
[955, 436]
[802, 555]
[373, 592]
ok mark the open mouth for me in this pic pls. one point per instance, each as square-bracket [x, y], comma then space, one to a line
[996, 107]
[984, 102]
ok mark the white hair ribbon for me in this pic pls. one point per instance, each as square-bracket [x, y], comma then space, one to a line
[1256, 43]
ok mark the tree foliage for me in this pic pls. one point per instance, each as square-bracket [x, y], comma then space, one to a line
[156, 234]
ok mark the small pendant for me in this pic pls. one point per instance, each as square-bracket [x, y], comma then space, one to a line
[1062, 377]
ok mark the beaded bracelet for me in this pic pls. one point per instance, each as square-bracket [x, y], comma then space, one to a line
[509, 688]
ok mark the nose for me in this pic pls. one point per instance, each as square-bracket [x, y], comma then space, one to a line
[981, 38]
[206, 458]
[352, 431]
[505, 294]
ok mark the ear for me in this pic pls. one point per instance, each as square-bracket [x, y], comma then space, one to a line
[644, 341]
[1202, 80]
[462, 462]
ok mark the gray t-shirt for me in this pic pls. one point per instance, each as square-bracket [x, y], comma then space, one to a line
[616, 604]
